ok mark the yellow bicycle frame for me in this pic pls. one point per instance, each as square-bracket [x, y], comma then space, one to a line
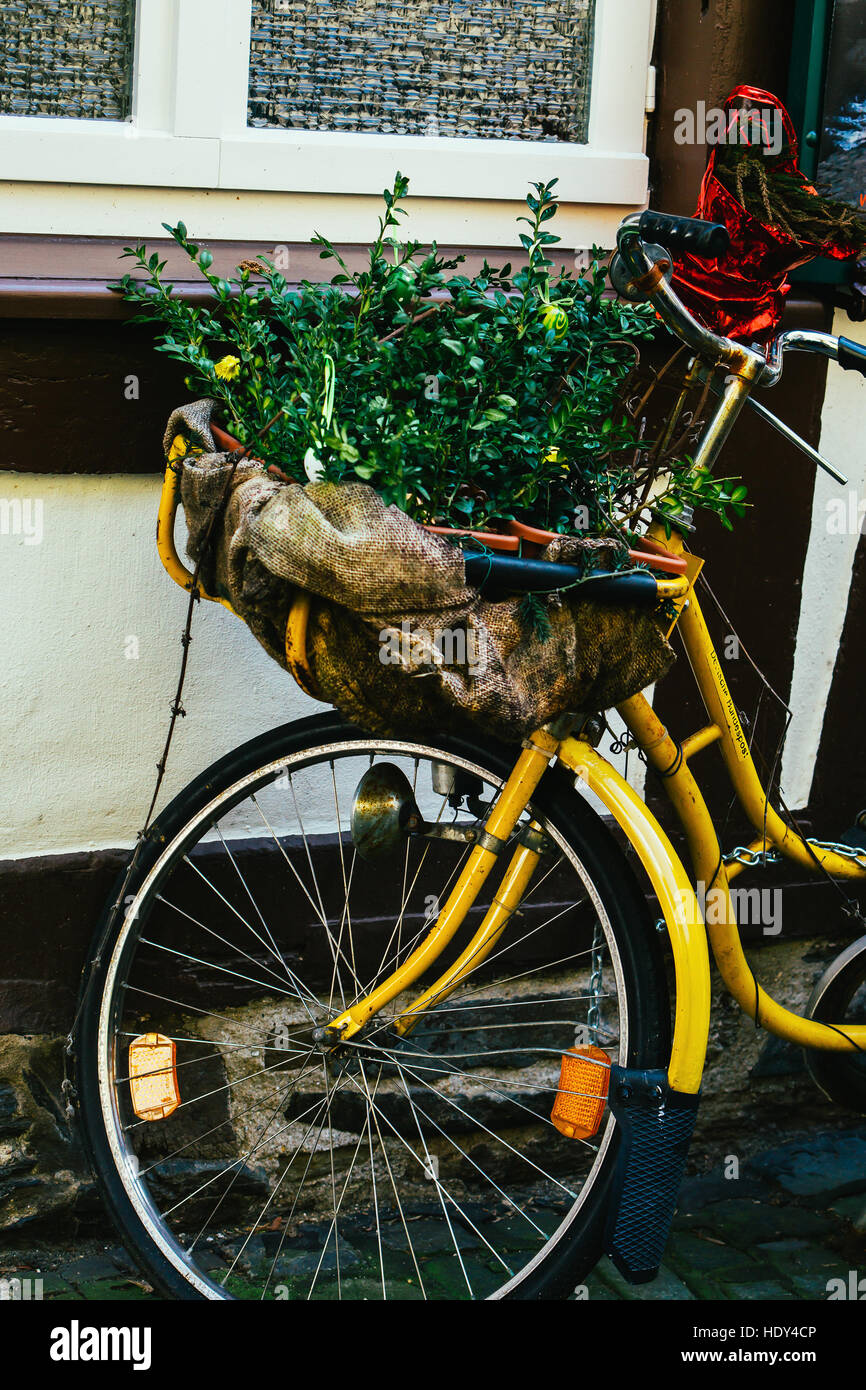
[670, 882]
[674, 890]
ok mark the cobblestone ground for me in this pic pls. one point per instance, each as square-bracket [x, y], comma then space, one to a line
[792, 1222]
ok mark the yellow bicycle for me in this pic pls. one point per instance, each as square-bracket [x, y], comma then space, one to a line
[388, 1018]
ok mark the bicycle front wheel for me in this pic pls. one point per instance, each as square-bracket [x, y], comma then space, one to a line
[415, 1166]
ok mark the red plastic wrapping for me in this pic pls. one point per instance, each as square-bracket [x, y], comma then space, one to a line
[742, 294]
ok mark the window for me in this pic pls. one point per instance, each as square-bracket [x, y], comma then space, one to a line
[485, 70]
[306, 101]
[67, 60]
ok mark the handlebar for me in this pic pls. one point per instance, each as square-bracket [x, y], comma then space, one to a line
[851, 356]
[641, 269]
[709, 240]
[647, 280]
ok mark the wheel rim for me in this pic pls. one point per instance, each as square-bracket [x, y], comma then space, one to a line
[839, 998]
[481, 1113]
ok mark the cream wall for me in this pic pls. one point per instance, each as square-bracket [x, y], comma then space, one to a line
[84, 716]
[827, 572]
[84, 722]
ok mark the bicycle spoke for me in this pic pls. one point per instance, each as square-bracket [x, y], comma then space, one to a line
[210, 931]
[271, 949]
[197, 1139]
[291, 977]
[490, 1082]
[394, 1188]
[242, 1159]
[469, 1159]
[302, 1160]
[419, 1111]
[188, 1008]
[487, 960]
[337, 1205]
[429, 1168]
[346, 914]
[224, 970]
[318, 911]
[449, 1100]
[215, 1042]
[217, 1090]
[321, 1108]
[300, 1187]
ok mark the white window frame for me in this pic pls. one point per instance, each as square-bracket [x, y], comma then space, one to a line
[189, 130]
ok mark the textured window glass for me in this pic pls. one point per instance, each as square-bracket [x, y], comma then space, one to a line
[514, 70]
[59, 59]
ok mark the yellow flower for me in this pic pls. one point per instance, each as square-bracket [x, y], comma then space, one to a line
[228, 368]
[554, 456]
[178, 448]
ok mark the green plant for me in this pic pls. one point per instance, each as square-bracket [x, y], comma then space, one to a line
[462, 399]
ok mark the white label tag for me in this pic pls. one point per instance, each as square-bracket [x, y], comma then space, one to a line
[313, 466]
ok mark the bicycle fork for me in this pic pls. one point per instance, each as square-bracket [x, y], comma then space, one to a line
[655, 1110]
[540, 751]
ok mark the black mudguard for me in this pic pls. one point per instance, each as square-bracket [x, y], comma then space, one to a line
[656, 1127]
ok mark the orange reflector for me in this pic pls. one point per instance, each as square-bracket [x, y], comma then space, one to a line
[153, 1076]
[582, 1092]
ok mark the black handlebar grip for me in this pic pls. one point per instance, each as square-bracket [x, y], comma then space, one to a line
[709, 240]
[852, 354]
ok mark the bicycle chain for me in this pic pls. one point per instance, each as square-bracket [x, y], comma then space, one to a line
[858, 856]
[752, 858]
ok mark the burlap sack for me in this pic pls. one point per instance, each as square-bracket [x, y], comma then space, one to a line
[397, 640]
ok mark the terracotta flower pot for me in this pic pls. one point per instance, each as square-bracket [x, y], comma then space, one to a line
[226, 443]
[493, 540]
[651, 554]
